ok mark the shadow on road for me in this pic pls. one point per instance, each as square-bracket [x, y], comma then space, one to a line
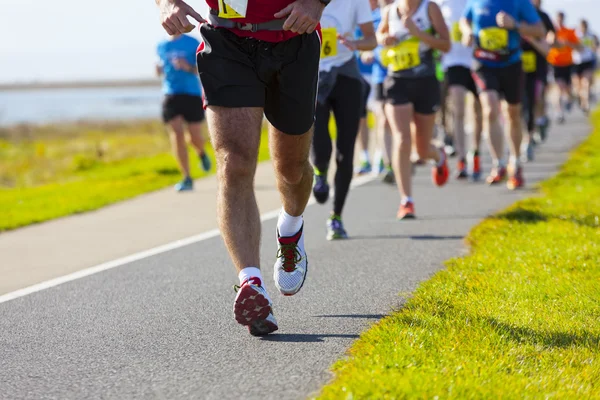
[412, 237]
[304, 338]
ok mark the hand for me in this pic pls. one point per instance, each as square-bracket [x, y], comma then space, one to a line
[505, 21]
[367, 57]
[389, 40]
[410, 25]
[467, 40]
[181, 64]
[350, 44]
[302, 16]
[173, 16]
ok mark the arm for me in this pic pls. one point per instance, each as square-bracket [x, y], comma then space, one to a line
[539, 45]
[383, 33]
[536, 31]
[159, 70]
[368, 42]
[442, 40]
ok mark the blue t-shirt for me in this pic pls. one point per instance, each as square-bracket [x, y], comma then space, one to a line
[482, 14]
[178, 81]
[376, 70]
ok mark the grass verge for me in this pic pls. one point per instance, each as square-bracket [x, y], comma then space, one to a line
[517, 318]
[53, 171]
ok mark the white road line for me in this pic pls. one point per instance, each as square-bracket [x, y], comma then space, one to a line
[143, 254]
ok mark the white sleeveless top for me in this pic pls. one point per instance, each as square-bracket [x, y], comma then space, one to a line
[426, 67]
[459, 55]
[587, 53]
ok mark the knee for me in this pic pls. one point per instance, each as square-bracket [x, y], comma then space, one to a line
[423, 150]
[291, 172]
[234, 166]
[491, 112]
[514, 113]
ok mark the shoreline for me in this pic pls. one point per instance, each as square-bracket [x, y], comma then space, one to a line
[150, 82]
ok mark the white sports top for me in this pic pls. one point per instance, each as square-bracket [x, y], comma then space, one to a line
[459, 55]
[587, 54]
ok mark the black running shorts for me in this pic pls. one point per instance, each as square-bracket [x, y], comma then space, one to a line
[461, 76]
[563, 74]
[506, 81]
[582, 68]
[184, 105]
[423, 93]
[245, 72]
[379, 92]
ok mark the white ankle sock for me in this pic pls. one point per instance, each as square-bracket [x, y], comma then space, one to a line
[442, 158]
[406, 199]
[249, 272]
[287, 224]
[365, 156]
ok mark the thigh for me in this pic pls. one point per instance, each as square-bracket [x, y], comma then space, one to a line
[291, 94]
[427, 95]
[424, 125]
[347, 101]
[235, 132]
[227, 70]
[511, 83]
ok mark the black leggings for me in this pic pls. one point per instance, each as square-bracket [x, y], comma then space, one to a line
[345, 100]
[532, 85]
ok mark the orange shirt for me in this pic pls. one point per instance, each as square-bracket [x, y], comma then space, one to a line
[563, 57]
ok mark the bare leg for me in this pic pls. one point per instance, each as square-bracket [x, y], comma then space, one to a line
[422, 132]
[585, 90]
[515, 130]
[236, 137]
[457, 95]
[400, 118]
[363, 136]
[177, 135]
[293, 171]
[491, 124]
[478, 124]
[196, 138]
[384, 134]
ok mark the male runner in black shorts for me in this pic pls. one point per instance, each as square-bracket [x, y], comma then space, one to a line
[258, 57]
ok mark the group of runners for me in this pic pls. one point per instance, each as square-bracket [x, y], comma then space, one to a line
[411, 62]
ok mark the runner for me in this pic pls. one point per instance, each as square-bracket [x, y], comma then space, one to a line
[263, 60]
[383, 134]
[457, 66]
[585, 59]
[183, 102]
[561, 58]
[494, 27]
[411, 30]
[535, 67]
[340, 91]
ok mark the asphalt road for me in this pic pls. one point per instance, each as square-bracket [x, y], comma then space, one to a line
[162, 327]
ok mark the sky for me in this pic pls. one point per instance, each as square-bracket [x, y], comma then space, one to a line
[65, 40]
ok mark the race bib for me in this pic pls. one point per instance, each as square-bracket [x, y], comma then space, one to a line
[329, 45]
[529, 60]
[456, 33]
[226, 11]
[493, 39]
[401, 57]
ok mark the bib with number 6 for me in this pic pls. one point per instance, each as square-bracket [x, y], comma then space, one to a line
[529, 60]
[329, 45]
[493, 39]
[226, 11]
[403, 56]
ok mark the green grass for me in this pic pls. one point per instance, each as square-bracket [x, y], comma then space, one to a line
[519, 318]
[53, 171]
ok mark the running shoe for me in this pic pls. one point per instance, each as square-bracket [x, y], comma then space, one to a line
[380, 167]
[406, 211]
[364, 168]
[389, 176]
[321, 188]
[516, 179]
[476, 161]
[439, 174]
[291, 265]
[497, 175]
[253, 308]
[205, 162]
[529, 152]
[462, 169]
[561, 119]
[449, 145]
[335, 228]
[185, 185]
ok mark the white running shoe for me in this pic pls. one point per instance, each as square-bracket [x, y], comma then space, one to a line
[253, 308]
[292, 264]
